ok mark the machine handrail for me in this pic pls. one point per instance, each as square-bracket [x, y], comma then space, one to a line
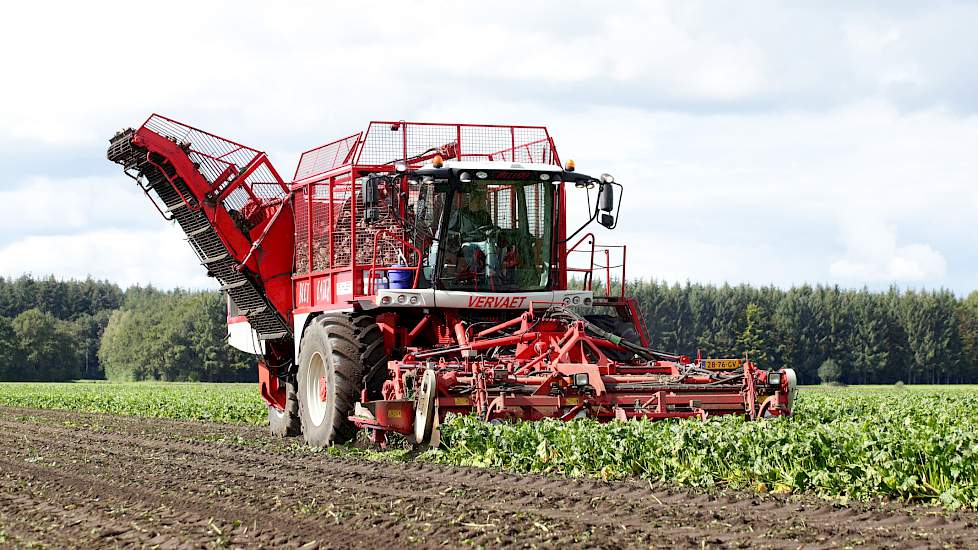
[239, 161]
[334, 147]
[589, 271]
[588, 283]
[512, 150]
[371, 286]
[379, 146]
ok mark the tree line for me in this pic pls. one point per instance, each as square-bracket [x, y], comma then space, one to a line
[66, 330]
[172, 336]
[63, 330]
[51, 329]
[865, 337]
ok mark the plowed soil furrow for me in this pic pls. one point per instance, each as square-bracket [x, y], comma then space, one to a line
[76, 480]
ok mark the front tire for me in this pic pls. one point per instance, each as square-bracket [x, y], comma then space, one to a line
[329, 380]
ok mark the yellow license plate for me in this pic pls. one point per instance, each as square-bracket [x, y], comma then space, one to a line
[723, 364]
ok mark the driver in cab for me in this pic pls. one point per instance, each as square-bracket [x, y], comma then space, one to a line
[473, 221]
[473, 225]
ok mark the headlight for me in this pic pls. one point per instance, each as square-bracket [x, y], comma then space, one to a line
[580, 379]
[385, 300]
[401, 298]
[607, 178]
[400, 166]
[774, 378]
[576, 300]
[414, 300]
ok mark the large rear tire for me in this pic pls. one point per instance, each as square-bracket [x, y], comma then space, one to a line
[337, 351]
[286, 423]
[373, 354]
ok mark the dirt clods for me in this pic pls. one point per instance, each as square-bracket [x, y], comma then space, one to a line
[74, 480]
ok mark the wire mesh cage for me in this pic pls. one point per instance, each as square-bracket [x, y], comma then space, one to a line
[327, 157]
[333, 230]
[222, 161]
[417, 143]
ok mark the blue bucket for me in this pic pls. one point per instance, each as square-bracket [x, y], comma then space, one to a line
[400, 278]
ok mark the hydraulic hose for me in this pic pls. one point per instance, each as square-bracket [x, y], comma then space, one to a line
[647, 353]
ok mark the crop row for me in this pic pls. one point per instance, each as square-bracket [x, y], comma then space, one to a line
[227, 403]
[915, 444]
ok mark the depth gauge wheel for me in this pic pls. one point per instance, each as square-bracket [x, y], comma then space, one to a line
[286, 423]
[424, 409]
[792, 387]
[329, 379]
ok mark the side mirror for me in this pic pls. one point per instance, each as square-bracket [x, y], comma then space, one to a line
[606, 220]
[606, 198]
[370, 192]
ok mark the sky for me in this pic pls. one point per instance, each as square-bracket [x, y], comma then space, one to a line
[758, 142]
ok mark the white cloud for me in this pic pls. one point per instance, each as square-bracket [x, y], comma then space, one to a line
[275, 72]
[144, 257]
[102, 227]
[762, 197]
[873, 255]
[43, 204]
[723, 198]
[673, 257]
[748, 138]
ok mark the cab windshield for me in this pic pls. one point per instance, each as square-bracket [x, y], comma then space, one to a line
[495, 236]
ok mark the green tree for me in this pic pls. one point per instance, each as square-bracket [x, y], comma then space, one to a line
[172, 336]
[48, 346]
[753, 339]
[967, 320]
[9, 350]
[830, 372]
[62, 299]
[88, 330]
[874, 337]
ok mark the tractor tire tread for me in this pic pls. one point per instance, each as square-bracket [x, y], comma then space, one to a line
[354, 346]
[286, 423]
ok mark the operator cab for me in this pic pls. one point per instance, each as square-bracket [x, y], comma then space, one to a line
[477, 234]
[491, 226]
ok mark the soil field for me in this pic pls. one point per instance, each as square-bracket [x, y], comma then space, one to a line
[71, 479]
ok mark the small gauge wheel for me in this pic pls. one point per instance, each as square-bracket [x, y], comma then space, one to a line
[792, 386]
[424, 410]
